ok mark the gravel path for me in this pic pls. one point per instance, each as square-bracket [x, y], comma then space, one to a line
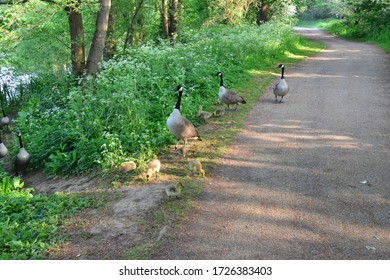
[308, 178]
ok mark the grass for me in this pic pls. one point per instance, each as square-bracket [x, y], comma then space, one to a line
[29, 223]
[341, 28]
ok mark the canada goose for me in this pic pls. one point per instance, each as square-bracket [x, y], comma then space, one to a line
[203, 114]
[4, 121]
[196, 165]
[180, 127]
[227, 96]
[153, 168]
[281, 88]
[174, 190]
[127, 166]
[219, 112]
[3, 149]
[22, 158]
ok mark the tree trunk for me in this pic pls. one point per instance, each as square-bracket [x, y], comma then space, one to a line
[111, 43]
[164, 18]
[173, 15]
[76, 30]
[99, 37]
[262, 15]
[132, 24]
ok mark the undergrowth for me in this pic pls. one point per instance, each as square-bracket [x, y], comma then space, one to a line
[69, 128]
[29, 222]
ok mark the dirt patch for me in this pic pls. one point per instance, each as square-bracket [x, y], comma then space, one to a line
[106, 233]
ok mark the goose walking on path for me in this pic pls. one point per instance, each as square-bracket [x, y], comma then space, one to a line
[180, 127]
[227, 96]
[281, 88]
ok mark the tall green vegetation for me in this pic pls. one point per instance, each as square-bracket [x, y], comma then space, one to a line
[117, 114]
[122, 115]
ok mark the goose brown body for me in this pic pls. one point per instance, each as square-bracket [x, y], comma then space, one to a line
[227, 96]
[180, 127]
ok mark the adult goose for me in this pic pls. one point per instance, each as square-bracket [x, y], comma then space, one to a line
[281, 88]
[227, 96]
[3, 148]
[4, 121]
[180, 127]
[22, 158]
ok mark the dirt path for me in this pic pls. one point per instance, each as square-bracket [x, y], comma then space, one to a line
[292, 185]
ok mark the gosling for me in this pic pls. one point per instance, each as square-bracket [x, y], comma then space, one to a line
[127, 166]
[196, 166]
[153, 168]
[219, 112]
[203, 114]
[174, 190]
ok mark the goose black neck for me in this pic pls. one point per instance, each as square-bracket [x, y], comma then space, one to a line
[221, 81]
[282, 72]
[3, 112]
[20, 141]
[179, 100]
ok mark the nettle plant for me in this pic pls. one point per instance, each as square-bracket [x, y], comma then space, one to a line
[122, 115]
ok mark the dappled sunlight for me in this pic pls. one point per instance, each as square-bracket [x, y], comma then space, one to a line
[294, 220]
[311, 75]
[295, 56]
[303, 138]
[320, 58]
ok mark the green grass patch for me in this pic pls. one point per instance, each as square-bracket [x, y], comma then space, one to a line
[29, 223]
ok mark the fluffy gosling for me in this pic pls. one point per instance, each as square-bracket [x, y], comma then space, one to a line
[174, 190]
[203, 114]
[153, 168]
[196, 166]
[127, 166]
[219, 112]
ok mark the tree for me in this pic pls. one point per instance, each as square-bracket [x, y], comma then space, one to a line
[130, 30]
[99, 37]
[169, 17]
[76, 31]
[263, 11]
[111, 42]
[77, 37]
